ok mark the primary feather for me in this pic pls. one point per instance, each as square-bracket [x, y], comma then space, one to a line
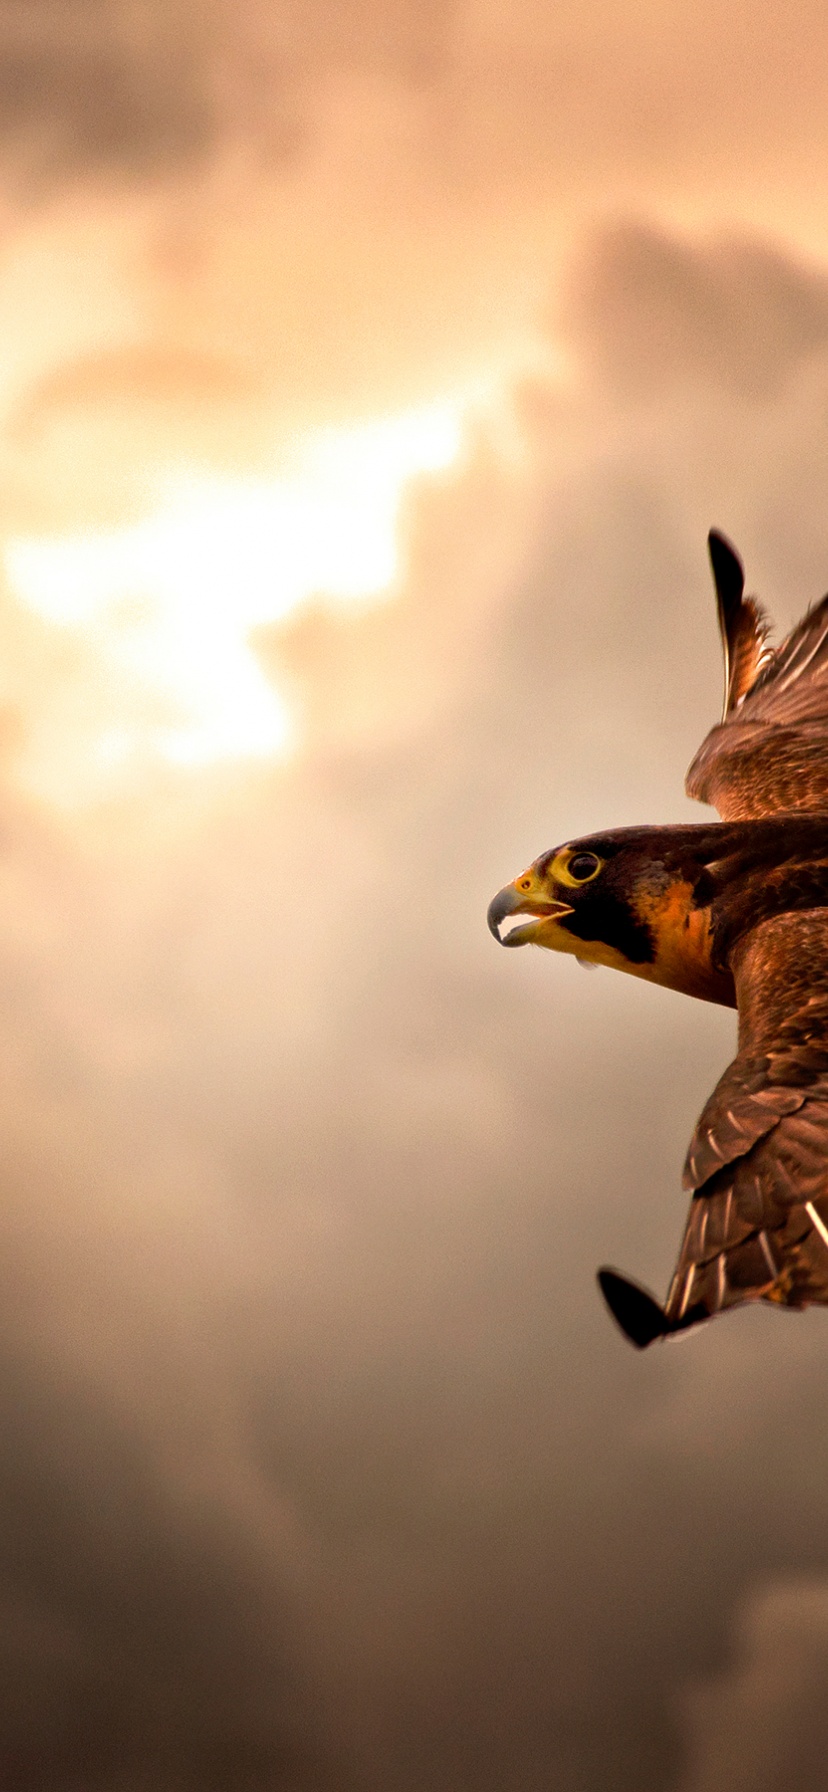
[770, 752]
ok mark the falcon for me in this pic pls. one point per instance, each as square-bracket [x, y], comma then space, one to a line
[734, 912]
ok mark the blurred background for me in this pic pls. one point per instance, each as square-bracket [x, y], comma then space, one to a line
[370, 374]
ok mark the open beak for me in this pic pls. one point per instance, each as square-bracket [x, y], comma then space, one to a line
[513, 901]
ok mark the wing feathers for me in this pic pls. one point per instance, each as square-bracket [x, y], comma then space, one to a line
[743, 624]
[758, 1162]
[785, 1263]
[757, 1228]
[725, 1133]
[782, 692]
[771, 750]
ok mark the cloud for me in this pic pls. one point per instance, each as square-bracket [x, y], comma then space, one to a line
[323, 1462]
[87, 87]
[135, 92]
[761, 1724]
[649, 312]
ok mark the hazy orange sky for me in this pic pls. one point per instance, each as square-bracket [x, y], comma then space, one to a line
[371, 375]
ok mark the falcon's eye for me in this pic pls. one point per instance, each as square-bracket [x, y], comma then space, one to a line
[574, 868]
[583, 866]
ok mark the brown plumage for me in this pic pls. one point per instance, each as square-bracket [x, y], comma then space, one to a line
[770, 752]
[758, 1160]
[736, 912]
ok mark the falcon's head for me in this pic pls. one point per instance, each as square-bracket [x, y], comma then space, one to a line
[629, 899]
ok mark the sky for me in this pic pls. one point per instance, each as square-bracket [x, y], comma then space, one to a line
[371, 376]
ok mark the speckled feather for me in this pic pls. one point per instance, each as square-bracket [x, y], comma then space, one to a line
[758, 1161]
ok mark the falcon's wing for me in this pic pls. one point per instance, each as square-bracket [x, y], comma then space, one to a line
[770, 752]
[758, 1162]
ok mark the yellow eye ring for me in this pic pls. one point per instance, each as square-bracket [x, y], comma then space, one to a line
[563, 867]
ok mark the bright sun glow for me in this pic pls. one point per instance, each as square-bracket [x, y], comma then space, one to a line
[169, 603]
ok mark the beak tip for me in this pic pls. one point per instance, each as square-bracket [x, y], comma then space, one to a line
[501, 905]
[510, 901]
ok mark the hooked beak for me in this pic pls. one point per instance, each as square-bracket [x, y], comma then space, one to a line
[512, 901]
